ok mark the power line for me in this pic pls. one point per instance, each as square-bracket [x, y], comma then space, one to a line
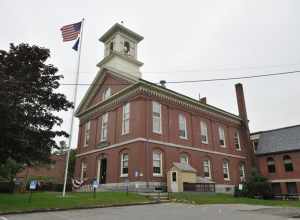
[192, 81]
[222, 69]
[210, 69]
[235, 78]
[201, 80]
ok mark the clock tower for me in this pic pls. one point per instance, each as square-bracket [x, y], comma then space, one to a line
[120, 51]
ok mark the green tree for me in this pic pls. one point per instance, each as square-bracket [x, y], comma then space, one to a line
[257, 185]
[28, 105]
[71, 167]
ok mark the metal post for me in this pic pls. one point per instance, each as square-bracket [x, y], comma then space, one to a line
[73, 111]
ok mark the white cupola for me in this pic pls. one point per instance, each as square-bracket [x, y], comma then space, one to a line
[120, 50]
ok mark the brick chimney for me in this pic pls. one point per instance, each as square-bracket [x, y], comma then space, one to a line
[243, 114]
[241, 102]
[203, 100]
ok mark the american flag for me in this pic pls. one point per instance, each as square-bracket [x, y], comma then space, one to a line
[70, 32]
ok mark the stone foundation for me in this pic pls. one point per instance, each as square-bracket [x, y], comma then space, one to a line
[130, 186]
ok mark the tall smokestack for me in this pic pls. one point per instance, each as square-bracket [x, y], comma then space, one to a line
[243, 114]
[241, 102]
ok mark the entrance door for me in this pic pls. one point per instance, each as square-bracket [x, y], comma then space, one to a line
[174, 184]
[103, 167]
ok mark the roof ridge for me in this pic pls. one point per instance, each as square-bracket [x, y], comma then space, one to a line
[276, 129]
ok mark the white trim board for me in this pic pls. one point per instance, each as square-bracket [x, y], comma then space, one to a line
[284, 181]
[161, 143]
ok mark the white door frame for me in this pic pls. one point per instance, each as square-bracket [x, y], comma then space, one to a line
[174, 185]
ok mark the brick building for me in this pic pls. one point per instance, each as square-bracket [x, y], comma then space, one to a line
[55, 170]
[278, 158]
[132, 131]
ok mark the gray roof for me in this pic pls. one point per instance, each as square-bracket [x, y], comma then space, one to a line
[279, 140]
[184, 167]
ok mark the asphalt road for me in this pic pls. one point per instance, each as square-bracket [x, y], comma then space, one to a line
[166, 211]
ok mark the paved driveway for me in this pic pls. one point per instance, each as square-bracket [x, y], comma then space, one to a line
[167, 211]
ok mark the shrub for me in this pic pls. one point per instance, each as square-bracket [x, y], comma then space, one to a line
[7, 187]
[256, 186]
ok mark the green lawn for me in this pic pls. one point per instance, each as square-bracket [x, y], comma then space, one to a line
[228, 199]
[42, 200]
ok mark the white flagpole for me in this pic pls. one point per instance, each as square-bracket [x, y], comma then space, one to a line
[73, 111]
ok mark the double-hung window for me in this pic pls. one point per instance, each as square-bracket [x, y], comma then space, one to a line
[87, 128]
[104, 127]
[83, 173]
[157, 163]
[125, 118]
[222, 140]
[288, 164]
[271, 165]
[242, 172]
[156, 117]
[237, 143]
[124, 165]
[204, 132]
[207, 169]
[226, 170]
[182, 126]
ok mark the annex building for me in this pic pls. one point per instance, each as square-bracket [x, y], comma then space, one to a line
[132, 132]
[278, 157]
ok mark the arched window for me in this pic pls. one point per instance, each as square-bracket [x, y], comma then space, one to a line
[157, 163]
[126, 47]
[111, 46]
[271, 165]
[184, 159]
[242, 171]
[207, 169]
[226, 170]
[124, 164]
[288, 164]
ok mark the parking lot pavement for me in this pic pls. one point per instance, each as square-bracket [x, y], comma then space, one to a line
[166, 211]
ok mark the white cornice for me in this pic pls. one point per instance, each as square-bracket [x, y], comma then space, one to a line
[167, 144]
[139, 88]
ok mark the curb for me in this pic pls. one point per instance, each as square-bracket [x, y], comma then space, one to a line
[78, 208]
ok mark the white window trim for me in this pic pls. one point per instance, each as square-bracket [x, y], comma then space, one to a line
[203, 125]
[185, 126]
[242, 167]
[239, 142]
[87, 128]
[227, 168]
[224, 136]
[104, 125]
[209, 169]
[161, 165]
[153, 117]
[98, 170]
[125, 119]
[81, 174]
[122, 160]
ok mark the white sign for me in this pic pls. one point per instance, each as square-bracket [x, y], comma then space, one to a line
[240, 186]
[95, 184]
[33, 185]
